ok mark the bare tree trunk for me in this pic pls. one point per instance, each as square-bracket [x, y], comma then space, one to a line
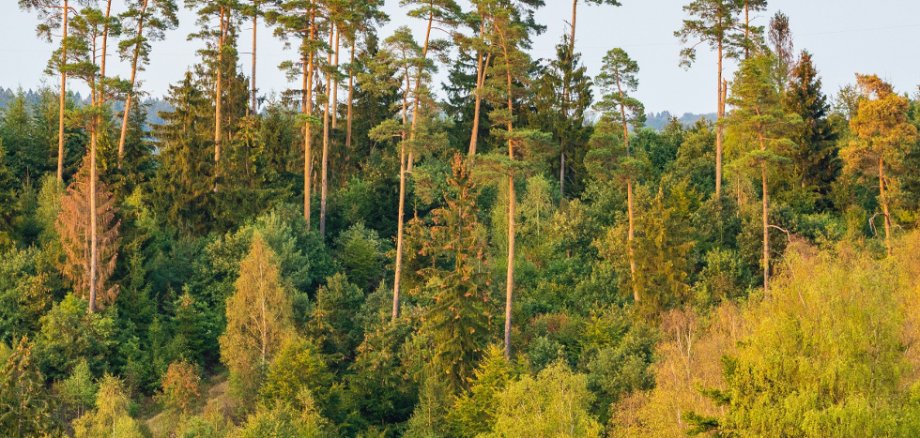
[400, 219]
[351, 92]
[630, 207]
[307, 107]
[129, 98]
[512, 200]
[482, 66]
[218, 88]
[335, 83]
[883, 200]
[63, 97]
[766, 220]
[719, 116]
[255, 27]
[105, 45]
[747, 30]
[565, 94]
[324, 164]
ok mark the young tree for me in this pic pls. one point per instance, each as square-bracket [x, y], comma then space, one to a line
[763, 127]
[780, 36]
[815, 156]
[89, 240]
[882, 133]
[111, 416]
[715, 23]
[145, 21]
[459, 319]
[24, 402]
[259, 319]
[617, 79]
[753, 35]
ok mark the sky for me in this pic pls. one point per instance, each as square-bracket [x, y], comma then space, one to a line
[844, 36]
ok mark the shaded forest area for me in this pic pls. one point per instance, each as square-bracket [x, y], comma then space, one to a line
[509, 253]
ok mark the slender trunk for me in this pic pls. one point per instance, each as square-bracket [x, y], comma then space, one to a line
[63, 96]
[400, 219]
[255, 46]
[630, 207]
[747, 30]
[883, 200]
[307, 107]
[418, 92]
[483, 65]
[324, 164]
[93, 238]
[720, 114]
[218, 88]
[512, 200]
[263, 315]
[129, 98]
[766, 220]
[105, 45]
[335, 83]
[569, 57]
[351, 92]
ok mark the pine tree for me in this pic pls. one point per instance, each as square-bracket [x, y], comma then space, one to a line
[24, 402]
[145, 21]
[618, 78]
[715, 23]
[763, 128]
[882, 133]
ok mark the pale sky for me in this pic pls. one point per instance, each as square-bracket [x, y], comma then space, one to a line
[845, 37]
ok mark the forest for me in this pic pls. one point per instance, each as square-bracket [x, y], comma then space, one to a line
[431, 233]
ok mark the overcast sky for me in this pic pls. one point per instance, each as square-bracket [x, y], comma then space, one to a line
[845, 37]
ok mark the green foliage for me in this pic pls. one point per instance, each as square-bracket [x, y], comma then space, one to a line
[111, 417]
[554, 403]
[69, 335]
[25, 405]
[474, 411]
[298, 367]
[361, 252]
[332, 321]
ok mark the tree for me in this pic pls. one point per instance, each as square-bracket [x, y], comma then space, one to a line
[333, 324]
[474, 412]
[180, 387]
[150, 19]
[815, 155]
[458, 320]
[111, 417]
[25, 405]
[783, 46]
[87, 267]
[882, 133]
[617, 79]
[296, 18]
[259, 319]
[555, 403]
[217, 38]
[715, 23]
[763, 127]
[753, 35]
[509, 33]
[51, 13]
[284, 421]
[571, 78]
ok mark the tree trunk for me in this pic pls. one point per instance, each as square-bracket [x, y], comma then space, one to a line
[335, 83]
[63, 97]
[720, 113]
[307, 107]
[482, 66]
[512, 200]
[565, 94]
[630, 208]
[255, 27]
[218, 88]
[883, 200]
[324, 164]
[129, 98]
[105, 45]
[747, 30]
[351, 92]
[400, 216]
[766, 220]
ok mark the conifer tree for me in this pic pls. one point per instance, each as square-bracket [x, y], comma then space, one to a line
[763, 127]
[24, 402]
[617, 79]
[81, 224]
[715, 23]
[55, 15]
[882, 133]
[144, 21]
[815, 156]
[459, 319]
